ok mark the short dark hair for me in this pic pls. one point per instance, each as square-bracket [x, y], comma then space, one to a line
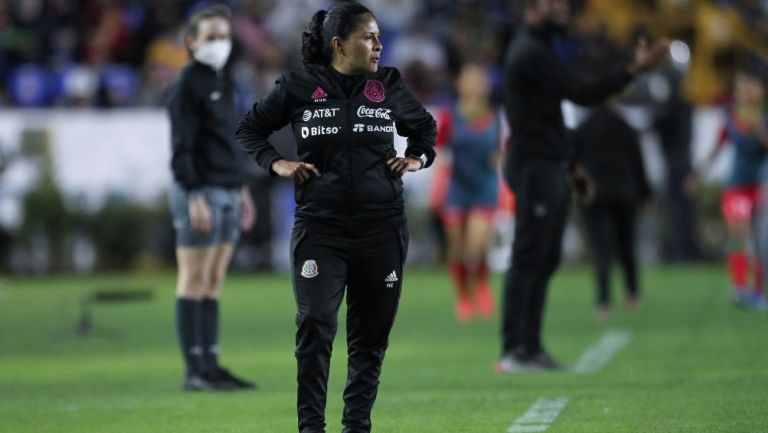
[213, 11]
[340, 20]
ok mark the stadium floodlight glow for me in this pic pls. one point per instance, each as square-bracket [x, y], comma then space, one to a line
[680, 52]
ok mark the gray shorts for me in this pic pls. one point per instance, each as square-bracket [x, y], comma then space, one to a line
[225, 211]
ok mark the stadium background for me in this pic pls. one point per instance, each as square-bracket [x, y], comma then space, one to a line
[85, 142]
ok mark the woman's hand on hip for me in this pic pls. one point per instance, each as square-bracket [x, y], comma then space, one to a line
[299, 172]
[399, 166]
[247, 210]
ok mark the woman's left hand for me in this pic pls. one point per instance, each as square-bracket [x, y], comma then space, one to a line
[399, 166]
[247, 210]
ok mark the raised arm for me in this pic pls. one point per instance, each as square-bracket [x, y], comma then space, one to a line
[546, 69]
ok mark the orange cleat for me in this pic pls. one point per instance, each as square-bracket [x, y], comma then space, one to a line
[484, 304]
[464, 311]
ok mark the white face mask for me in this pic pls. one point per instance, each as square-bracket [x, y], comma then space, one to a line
[213, 54]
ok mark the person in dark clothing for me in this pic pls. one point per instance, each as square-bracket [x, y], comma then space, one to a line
[209, 201]
[609, 150]
[673, 123]
[537, 168]
[350, 230]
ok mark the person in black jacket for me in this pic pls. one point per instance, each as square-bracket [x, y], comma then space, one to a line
[208, 200]
[537, 168]
[609, 150]
[350, 229]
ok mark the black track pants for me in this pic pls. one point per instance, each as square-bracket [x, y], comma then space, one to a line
[371, 270]
[543, 199]
[611, 231]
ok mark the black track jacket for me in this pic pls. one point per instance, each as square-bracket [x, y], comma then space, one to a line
[349, 139]
[536, 83]
[201, 107]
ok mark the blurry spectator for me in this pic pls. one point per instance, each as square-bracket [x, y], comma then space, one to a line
[747, 130]
[256, 42]
[417, 43]
[673, 123]
[393, 15]
[476, 36]
[609, 150]
[108, 37]
[27, 34]
[422, 57]
[65, 41]
[166, 55]
[287, 19]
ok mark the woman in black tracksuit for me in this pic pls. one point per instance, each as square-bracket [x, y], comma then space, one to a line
[609, 150]
[350, 227]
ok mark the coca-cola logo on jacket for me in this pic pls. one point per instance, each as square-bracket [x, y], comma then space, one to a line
[374, 113]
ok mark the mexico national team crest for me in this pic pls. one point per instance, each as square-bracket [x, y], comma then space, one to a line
[374, 91]
[309, 269]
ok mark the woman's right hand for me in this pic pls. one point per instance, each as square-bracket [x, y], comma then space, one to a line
[299, 172]
[199, 214]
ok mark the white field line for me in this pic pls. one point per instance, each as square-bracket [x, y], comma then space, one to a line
[540, 416]
[599, 355]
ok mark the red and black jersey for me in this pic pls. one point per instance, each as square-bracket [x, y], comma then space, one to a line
[349, 136]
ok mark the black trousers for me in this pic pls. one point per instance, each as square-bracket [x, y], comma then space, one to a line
[371, 270]
[611, 225]
[542, 195]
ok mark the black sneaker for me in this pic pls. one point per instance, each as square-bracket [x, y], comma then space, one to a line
[512, 363]
[199, 382]
[542, 361]
[225, 378]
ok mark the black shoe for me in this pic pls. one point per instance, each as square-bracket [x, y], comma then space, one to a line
[541, 360]
[512, 363]
[199, 382]
[230, 381]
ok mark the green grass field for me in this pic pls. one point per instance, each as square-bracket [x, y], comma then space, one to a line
[695, 363]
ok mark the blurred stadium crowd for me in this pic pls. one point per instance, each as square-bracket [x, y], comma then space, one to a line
[123, 54]
[113, 53]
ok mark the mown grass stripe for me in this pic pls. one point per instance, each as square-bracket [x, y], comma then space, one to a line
[540, 415]
[596, 357]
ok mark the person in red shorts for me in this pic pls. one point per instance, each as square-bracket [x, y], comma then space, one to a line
[469, 131]
[747, 130]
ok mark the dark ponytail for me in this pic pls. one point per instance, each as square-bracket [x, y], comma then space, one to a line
[312, 45]
[340, 20]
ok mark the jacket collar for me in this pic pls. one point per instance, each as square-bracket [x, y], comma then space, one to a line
[327, 77]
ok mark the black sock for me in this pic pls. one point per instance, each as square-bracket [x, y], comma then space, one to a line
[188, 315]
[210, 333]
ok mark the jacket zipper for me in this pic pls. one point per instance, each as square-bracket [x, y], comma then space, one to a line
[350, 185]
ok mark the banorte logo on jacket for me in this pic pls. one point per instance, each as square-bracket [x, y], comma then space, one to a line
[374, 90]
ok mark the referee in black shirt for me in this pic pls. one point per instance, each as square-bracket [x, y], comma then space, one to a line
[209, 200]
[538, 170]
